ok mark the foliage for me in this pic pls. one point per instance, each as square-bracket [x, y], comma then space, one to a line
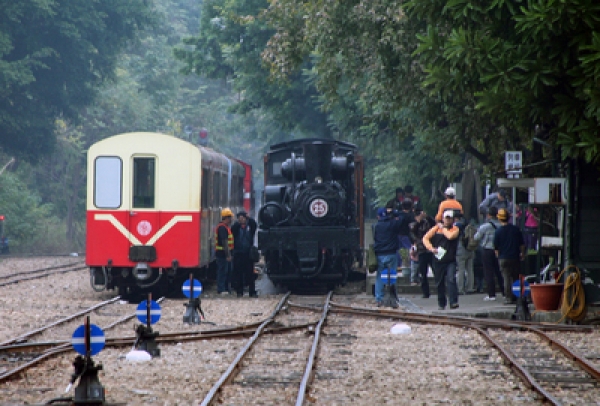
[371, 86]
[24, 212]
[54, 55]
[461, 77]
[232, 36]
[527, 64]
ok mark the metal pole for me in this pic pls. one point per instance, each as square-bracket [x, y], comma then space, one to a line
[514, 207]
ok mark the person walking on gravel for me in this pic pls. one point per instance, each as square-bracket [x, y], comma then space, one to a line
[442, 241]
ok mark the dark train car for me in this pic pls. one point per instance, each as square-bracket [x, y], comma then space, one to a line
[311, 224]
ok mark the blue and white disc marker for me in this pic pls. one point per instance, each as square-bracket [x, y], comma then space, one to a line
[187, 291]
[516, 288]
[142, 312]
[97, 340]
[392, 276]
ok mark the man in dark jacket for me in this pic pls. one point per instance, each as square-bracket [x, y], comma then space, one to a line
[385, 245]
[442, 241]
[405, 216]
[243, 268]
[396, 202]
[510, 250]
[422, 224]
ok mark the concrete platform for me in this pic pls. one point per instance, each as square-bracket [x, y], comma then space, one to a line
[470, 305]
[473, 305]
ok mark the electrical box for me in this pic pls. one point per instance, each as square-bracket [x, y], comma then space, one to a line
[548, 191]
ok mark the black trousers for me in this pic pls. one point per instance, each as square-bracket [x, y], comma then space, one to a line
[243, 273]
[491, 270]
[425, 261]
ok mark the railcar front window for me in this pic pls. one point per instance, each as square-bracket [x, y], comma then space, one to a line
[108, 175]
[143, 183]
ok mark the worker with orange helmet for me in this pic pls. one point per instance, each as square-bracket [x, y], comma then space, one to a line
[224, 247]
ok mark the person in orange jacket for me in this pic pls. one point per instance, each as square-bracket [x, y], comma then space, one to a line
[442, 241]
[450, 203]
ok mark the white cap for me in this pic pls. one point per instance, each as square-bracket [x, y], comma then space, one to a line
[450, 191]
[449, 213]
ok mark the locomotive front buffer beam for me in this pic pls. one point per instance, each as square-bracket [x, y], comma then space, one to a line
[308, 243]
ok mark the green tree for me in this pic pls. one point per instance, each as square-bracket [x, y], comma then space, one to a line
[228, 47]
[530, 65]
[53, 56]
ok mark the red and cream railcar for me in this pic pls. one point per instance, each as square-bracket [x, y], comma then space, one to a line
[153, 202]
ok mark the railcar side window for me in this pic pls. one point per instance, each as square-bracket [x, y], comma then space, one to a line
[214, 201]
[204, 191]
[143, 182]
[108, 173]
[224, 191]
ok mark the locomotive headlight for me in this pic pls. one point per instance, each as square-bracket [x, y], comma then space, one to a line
[318, 179]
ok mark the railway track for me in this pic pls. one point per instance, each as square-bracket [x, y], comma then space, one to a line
[19, 353]
[545, 364]
[279, 368]
[555, 371]
[14, 277]
[304, 349]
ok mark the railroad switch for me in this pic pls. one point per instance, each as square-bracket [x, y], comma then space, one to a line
[193, 312]
[89, 391]
[146, 340]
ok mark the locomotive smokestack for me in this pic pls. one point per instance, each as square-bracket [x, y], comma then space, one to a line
[317, 157]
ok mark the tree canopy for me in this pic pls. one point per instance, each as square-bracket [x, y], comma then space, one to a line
[532, 65]
[229, 45]
[482, 77]
[53, 57]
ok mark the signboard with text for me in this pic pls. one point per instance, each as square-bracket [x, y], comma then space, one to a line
[513, 162]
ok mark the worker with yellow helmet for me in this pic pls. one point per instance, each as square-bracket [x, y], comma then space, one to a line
[224, 247]
[510, 250]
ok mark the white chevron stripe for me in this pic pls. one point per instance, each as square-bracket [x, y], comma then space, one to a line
[168, 226]
[110, 218]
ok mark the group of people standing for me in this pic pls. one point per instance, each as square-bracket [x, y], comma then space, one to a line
[441, 243]
[235, 267]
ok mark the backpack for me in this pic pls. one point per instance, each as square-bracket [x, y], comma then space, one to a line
[469, 241]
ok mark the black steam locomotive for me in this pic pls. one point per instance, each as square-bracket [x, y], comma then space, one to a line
[311, 225]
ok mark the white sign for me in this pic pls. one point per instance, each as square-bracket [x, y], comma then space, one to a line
[319, 208]
[513, 161]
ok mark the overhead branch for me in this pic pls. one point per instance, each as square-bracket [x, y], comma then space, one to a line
[12, 160]
[484, 159]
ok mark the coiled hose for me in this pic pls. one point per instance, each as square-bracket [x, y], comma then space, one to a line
[573, 306]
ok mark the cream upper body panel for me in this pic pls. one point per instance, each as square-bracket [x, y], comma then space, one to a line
[177, 170]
